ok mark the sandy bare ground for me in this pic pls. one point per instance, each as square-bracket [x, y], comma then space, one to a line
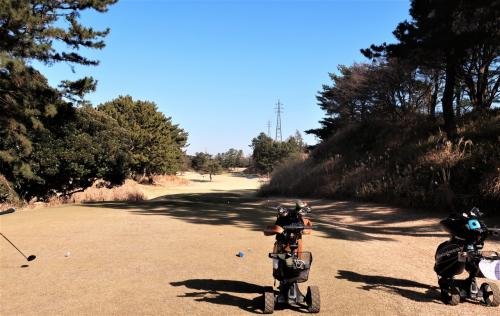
[176, 255]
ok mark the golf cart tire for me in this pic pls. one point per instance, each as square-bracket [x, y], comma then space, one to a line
[313, 299]
[268, 301]
[452, 296]
[491, 294]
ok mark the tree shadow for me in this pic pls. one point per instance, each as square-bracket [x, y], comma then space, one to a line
[244, 175]
[216, 292]
[243, 209]
[392, 285]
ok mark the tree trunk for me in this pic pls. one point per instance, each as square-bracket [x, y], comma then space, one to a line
[450, 126]
[482, 87]
[432, 106]
[458, 96]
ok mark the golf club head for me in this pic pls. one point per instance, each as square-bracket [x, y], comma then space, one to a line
[31, 258]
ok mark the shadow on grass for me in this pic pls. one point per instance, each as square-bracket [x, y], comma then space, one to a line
[242, 209]
[200, 180]
[244, 175]
[220, 292]
[396, 286]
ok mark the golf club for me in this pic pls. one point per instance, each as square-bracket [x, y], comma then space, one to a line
[30, 258]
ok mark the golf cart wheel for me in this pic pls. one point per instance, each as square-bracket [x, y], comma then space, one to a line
[451, 296]
[313, 299]
[268, 301]
[491, 294]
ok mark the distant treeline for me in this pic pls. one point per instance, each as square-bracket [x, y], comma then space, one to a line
[205, 163]
[52, 141]
[418, 124]
[267, 153]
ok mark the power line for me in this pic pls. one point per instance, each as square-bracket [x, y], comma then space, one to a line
[279, 110]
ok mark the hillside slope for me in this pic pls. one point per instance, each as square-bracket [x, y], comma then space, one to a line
[407, 163]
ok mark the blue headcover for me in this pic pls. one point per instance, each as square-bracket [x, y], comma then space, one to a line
[473, 224]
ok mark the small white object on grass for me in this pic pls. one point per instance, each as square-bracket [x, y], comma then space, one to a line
[67, 254]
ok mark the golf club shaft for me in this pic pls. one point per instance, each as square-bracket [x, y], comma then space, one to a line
[10, 242]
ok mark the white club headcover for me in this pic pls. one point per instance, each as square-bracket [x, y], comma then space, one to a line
[490, 268]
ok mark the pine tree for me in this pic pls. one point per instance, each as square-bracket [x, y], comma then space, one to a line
[204, 163]
[267, 153]
[442, 35]
[77, 147]
[155, 143]
[26, 100]
[31, 30]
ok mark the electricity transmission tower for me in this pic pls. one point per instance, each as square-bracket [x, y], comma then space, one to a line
[269, 128]
[279, 110]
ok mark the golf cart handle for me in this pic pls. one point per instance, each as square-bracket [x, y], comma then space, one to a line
[276, 229]
[273, 230]
[297, 227]
[490, 255]
[466, 256]
[495, 232]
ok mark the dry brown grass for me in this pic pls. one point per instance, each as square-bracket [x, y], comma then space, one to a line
[447, 155]
[5, 206]
[167, 180]
[491, 186]
[8, 197]
[129, 191]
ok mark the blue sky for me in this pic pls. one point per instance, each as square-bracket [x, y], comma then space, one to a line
[218, 67]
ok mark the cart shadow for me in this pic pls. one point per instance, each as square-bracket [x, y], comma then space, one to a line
[395, 286]
[222, 292]
[216, 292]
